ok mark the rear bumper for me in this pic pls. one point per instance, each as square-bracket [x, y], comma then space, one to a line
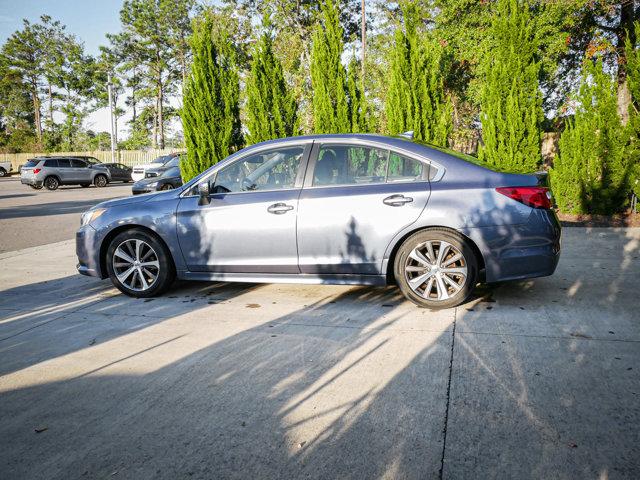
[515, 252]
[31, 181]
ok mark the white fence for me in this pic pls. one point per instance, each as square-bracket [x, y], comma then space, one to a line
[128, 157]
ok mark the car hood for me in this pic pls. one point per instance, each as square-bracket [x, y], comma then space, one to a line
[118, 202]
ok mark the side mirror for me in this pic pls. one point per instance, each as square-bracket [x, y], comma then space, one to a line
[203, 193]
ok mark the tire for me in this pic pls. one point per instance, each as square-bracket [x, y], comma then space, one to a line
[455, 274]
[85, 185]
[158, 278]
[36, 187]
[3, 172]
[100, 181]
[168, 186]
[51, 183]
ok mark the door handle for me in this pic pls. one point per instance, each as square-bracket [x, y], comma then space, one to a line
[279, 208]
[397, 200]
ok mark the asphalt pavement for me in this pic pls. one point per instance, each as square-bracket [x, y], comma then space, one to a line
[31, 217]
[533, 379]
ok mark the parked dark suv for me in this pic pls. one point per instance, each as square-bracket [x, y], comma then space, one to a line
[51, 172]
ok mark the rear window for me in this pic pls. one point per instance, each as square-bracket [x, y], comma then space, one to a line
[31, 163]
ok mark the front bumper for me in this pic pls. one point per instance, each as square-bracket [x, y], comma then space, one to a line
[88, 252]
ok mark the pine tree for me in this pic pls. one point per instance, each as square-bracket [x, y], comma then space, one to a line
[271, 107]
[591, 172]
[210, 112]
[328, 76]
[511, 102]
[416, 99]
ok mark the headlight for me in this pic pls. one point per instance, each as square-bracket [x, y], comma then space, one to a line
[152, 184]
[90, 215]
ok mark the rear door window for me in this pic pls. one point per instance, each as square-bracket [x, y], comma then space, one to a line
[350, 164]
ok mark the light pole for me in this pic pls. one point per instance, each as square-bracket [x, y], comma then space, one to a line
[111, 120]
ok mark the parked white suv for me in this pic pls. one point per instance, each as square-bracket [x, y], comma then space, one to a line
[5, 168]
[140, 170]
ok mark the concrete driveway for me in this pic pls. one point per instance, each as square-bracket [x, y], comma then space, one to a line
[537, 379]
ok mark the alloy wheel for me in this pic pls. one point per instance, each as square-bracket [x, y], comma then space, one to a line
[101, 181]
[136, 265]
[436, 270]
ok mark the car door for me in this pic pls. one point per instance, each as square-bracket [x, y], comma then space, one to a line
[80, 171]
[64, 170]
[356, 198]
[249, 224]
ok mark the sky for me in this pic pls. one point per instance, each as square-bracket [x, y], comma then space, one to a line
[89, 20]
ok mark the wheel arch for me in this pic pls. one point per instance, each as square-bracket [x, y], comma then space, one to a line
[400, 241]
[106, 241]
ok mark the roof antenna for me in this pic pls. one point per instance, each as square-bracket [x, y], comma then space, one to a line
[408, 135]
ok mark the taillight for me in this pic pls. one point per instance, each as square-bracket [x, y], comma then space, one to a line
[536, 197]
[36, 171]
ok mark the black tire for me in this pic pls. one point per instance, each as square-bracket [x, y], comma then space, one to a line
[3, 172]
[166, 273]
[36, 187]
[51, 183]
[100, 181]
[434, 236]
[167, 186]
[85, 185]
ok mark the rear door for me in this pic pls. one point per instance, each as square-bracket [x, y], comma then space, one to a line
[81, 171]
[356, 198]
[65, 172]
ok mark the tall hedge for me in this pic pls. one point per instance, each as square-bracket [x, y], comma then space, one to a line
[511, 102]
[416, 99]
[592, 170]
[210, 112]
[328, 76]
[271, 106]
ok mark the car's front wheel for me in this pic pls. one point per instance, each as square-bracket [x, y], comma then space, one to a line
[436, 268]
[3, 172]
[139, 265]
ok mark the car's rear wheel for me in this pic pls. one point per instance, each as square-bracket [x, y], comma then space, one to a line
[36, 187]
[436, 268]
[168, 186]
[85, 185]
[139, 265]
[3, 172]
[51, 183]
[100, 181]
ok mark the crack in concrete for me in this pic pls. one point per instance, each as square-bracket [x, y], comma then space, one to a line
[446, 412]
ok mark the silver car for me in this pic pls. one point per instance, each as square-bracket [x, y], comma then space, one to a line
[51, 172]
[346, 209]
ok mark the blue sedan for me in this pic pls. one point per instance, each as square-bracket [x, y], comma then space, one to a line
[331, 209]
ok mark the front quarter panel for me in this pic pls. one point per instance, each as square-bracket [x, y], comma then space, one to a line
[157, 214]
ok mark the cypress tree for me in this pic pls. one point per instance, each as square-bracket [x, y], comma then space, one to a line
[328, 76]
[357, 100]
[271, 108]
[592, 170]
[210, 112]
[416, 98]
[510, 98]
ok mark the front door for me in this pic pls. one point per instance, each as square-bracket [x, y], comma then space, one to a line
[354, 202]
[249, 225]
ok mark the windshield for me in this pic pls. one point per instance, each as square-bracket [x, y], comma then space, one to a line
[91, 160]
[172, 172]
[174, 162]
